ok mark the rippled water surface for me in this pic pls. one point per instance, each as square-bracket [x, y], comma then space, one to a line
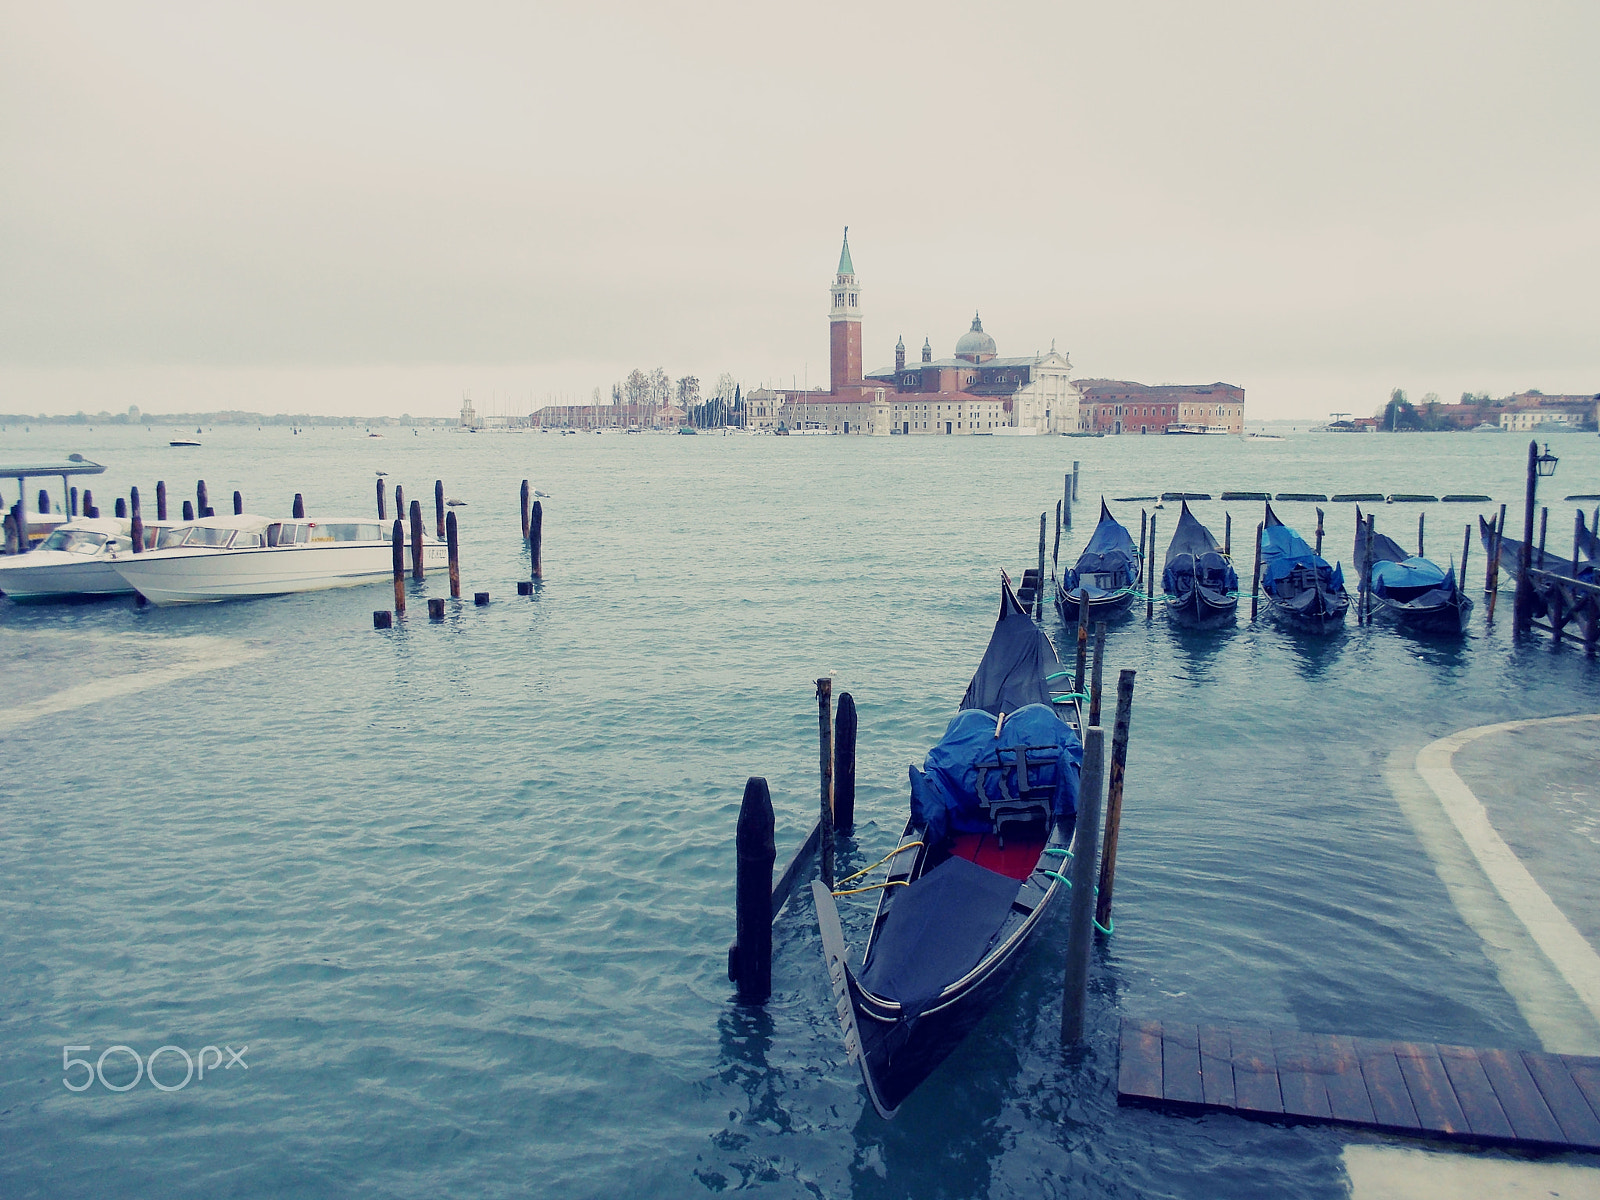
[465, 890]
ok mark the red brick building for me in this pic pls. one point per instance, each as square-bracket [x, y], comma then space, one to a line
[1120, 406]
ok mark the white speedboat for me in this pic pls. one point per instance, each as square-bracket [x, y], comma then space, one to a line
[235, 557]
[75, 559]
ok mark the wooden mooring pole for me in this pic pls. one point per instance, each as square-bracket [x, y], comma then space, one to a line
[416, 539]
[399, 542]
[383, 500]
[1255, 582]
[1227, 536]
[188, 507]
[825, 758]
[1491, 578]
[454, 552]
[1055, 552]
[844, 764]
[1150, 575]
[1074, 479]
[524, 510]
[137, 532]
[161, 499]
[1080, 918]
[1522, 608]
[119, 509]
[1319, 532]
[238, 503]
[438, 507]
[1422, 519]
[1066, 504]
[299, 510]
[1466, 545]
[1038, 587]
[72, 502]
[536, 538]
[750, 956]
[1099, 661]
[202, 502]
[1119, 763]
[1366, 576]
[399, 502]
[1083, 637]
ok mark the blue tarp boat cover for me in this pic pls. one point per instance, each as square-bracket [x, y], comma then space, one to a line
[1411, 574]
[944, 795]
[1110, 562]
[1282, 550]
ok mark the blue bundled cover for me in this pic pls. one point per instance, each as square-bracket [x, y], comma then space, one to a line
[944, 796]
[1282, 550]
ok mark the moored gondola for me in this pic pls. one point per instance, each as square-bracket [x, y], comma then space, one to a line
[1416, 592]
[1107, 571]
[1300, 587]
[974, 873]
[1199, 585]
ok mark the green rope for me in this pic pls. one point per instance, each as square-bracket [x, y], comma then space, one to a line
[1069, 698]
[1108, 931]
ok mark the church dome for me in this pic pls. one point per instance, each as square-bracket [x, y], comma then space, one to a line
[975, 345]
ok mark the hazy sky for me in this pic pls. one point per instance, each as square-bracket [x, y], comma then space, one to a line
[374, 207]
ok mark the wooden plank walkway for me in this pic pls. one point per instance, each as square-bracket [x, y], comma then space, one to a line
[1490, 1097]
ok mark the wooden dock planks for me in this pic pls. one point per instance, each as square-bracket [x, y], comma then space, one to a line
[1491, 1097]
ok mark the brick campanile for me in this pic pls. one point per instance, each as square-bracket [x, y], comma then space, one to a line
[844, 324]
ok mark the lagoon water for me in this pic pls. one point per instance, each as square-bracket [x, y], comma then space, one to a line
[465, 890]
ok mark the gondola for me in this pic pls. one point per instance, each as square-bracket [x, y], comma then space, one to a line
[1108, 570]
[1300, 587]
[974, 874]
[1198, 582]
[1415, 592]
[1511, 554]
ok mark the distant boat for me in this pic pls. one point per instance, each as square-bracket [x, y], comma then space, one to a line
[1298, 583]
[1200, 585]
[1414, 591]
[1107, 571]
[374, 435]
[1195, 428]
[1486, 427]
[183, 442]
[688, 430]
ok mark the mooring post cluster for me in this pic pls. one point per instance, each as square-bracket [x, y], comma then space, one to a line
[757, 901]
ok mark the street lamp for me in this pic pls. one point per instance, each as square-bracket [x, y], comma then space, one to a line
[1540, 466]
[1545, 464]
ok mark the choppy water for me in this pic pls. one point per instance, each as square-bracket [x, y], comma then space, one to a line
[465, 891]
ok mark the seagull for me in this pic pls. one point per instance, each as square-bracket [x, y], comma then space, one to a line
[383, 472]
[454, 503]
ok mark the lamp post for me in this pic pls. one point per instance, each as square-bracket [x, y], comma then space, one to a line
[1540, 466]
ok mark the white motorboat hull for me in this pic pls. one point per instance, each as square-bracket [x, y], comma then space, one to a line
[194, 576]
[57, 574]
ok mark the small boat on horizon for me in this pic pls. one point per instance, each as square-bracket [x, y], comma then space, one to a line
[1300, 587]
[1415, 592]
[1107, 570]
[244, 556]
[1199, 585]
[183, 442]
[975, 873]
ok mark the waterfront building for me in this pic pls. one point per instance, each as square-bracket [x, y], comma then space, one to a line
[973, 392]
[1529, 411]
[1118, 406]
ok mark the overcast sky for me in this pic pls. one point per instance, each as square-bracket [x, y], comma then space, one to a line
[375, 207]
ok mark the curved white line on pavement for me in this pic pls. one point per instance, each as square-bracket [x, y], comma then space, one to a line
[1562, 944]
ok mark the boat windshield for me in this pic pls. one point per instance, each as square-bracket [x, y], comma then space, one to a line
[75, 541]
[200, 535]
[168, 538]
[346, 531]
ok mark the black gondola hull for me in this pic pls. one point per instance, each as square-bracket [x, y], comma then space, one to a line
[1199, 608]
[1449, 618]
[1103, 607]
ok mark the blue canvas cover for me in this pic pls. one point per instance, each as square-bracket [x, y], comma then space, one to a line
[1282, 550]
[1412, 574]
[1110, 562]
[944, 795]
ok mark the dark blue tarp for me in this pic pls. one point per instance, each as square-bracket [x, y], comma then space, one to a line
[1411, 573]
[944, 795]
[1282, 550]
[1110, 562]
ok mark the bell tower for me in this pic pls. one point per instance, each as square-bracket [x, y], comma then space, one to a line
[844, 323]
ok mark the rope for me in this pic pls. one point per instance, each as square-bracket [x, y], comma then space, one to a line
[879, 863]
[1069, 697]
[1107, 930]
[871, 887]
